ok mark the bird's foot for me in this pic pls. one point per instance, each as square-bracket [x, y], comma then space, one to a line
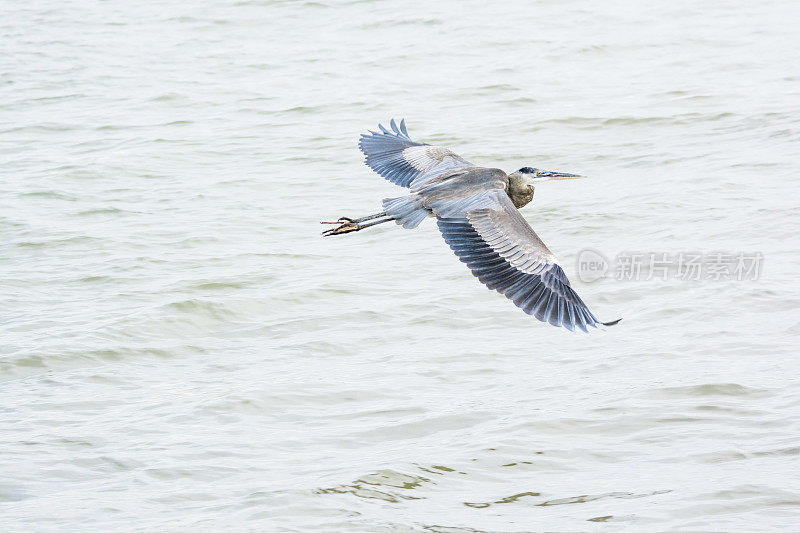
[342, 220]
[346, 225]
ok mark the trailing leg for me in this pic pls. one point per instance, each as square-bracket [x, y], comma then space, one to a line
[349, 225]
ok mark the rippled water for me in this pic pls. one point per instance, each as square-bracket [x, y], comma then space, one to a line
[180, 348]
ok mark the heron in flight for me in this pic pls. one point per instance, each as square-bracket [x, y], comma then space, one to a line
[477, 211]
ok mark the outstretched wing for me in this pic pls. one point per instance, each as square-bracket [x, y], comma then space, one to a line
[393, 155]
[489, 234]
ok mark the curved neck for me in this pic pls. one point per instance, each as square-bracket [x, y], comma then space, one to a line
[520, 192]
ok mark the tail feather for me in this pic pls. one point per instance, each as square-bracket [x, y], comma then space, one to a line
[407, 211]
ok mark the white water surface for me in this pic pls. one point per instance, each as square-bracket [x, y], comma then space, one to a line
[180, 350]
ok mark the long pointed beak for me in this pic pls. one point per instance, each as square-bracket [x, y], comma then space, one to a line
[548, 175]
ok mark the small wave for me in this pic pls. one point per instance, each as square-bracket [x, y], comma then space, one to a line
[583, 498]
[206, 308]
[53, 195]
[711, 389]
[381, 485]
[101, 211]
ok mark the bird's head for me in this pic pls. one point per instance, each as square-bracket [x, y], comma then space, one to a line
[530, 175]
[520, 183]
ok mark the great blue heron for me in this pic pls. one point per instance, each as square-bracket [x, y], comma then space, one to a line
[477, 213]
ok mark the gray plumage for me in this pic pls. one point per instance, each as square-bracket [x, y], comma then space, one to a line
[477, 213]
[402, 161]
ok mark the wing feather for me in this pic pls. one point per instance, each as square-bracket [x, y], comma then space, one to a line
[394, 156]
[481, 225]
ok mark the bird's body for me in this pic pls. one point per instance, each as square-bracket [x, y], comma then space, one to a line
[477, 213]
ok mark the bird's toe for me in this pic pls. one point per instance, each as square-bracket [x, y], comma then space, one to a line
[344, 228]
[342, 220]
